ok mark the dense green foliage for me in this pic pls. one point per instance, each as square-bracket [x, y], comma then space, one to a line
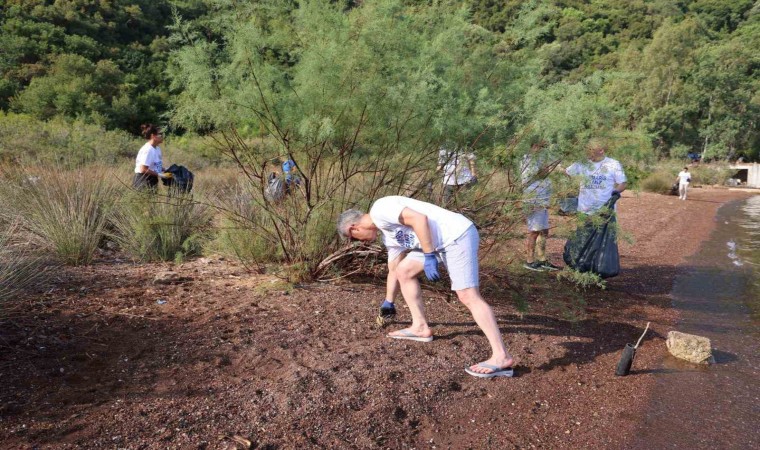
[684, 73]
[102, 61]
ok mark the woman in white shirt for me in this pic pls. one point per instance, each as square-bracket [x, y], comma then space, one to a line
[149, 162]
[684, 178]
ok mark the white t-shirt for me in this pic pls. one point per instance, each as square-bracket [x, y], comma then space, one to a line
[599, 181]
[535, 190]
[445, 226]
[149, 156]
[456, 166]
[684, 177]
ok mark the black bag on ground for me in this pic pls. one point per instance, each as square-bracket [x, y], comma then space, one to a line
[593, 247]
[181, 180]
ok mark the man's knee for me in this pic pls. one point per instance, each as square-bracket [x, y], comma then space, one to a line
[408, 269]
[469, 296]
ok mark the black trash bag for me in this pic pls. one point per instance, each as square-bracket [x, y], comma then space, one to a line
[181, 180]
[275, 190]
[593, 247]
[673, 189]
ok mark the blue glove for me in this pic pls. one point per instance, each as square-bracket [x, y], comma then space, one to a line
[387, 309]
[431, 267]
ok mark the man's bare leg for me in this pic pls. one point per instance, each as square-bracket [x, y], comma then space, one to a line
[406, 274]
[484, 317]
[530, 245]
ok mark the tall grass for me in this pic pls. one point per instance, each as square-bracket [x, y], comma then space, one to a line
[658, 182]
[240, 226]
[19, 268]
[65, 212]
[153, 227]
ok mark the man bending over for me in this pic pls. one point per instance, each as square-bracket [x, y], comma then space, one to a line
[417, 235]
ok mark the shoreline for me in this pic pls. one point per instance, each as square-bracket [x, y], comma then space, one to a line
[698, 228]
[230, 354]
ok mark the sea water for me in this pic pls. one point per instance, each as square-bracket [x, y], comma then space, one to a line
[717, 295]
[747, 253]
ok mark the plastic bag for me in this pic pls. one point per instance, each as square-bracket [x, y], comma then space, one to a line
[181, 180]
[593, 247]
[275, 190]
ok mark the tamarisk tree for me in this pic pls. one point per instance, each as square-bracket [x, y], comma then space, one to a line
[359, 97]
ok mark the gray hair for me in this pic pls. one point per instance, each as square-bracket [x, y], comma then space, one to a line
[348, 218]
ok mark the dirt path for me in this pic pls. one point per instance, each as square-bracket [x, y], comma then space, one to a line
[97, 362]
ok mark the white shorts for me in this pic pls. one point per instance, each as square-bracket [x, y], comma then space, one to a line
[460, 258]
[538, 220]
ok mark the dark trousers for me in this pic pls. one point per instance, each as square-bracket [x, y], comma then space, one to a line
[144, 181]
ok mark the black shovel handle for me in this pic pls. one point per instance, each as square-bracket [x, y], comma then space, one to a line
[626, 360]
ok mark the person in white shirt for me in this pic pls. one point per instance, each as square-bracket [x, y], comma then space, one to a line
[458, 168]
[417, 234]
[537, 190]
[684, 179]
[602, 177]
[149, 162]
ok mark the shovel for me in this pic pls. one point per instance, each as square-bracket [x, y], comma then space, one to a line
[626, 359]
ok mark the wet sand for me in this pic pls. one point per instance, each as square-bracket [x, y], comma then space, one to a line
[716, 406]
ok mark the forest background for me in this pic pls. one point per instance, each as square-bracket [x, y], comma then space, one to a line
[361, 95]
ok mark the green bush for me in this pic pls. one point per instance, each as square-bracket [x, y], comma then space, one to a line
[19, 268]
[680, 151]
[153, 227]
[25, 140]
[658, 182]
[710, 174]
[241, 223]
[65, 212]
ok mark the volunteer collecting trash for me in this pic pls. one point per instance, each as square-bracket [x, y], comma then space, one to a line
[683, 179]
[602, 176]
[149, 162]
[537, 189]
[593, 247]
[417, 235]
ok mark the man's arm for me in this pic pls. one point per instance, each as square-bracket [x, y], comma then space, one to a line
[419, 223]
[620, 187]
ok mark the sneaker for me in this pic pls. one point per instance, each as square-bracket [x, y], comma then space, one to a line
[548, 266]
[535, 266]
[388, 311]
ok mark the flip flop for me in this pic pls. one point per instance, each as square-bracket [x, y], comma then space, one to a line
[408, 335]
[497, 371]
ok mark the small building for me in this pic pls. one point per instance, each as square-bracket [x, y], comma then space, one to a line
[749, 174]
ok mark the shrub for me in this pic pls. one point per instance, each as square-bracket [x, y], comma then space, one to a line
[710, 174]
[581, 280]
[658, 182]
[680, 152]
[241, 227]
[65, 212]
[19, 268]
[152, 227]
[24, 139]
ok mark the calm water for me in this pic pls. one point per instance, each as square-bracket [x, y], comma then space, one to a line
[718, 295]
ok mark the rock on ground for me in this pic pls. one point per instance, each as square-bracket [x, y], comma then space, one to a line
[690, 347]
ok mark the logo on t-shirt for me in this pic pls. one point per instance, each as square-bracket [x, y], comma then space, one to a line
[596, 182]
[407, 239]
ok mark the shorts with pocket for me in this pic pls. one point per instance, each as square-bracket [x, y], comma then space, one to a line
[460, 258]
[538, 220]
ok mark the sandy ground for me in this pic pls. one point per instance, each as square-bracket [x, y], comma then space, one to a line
[227, 359]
